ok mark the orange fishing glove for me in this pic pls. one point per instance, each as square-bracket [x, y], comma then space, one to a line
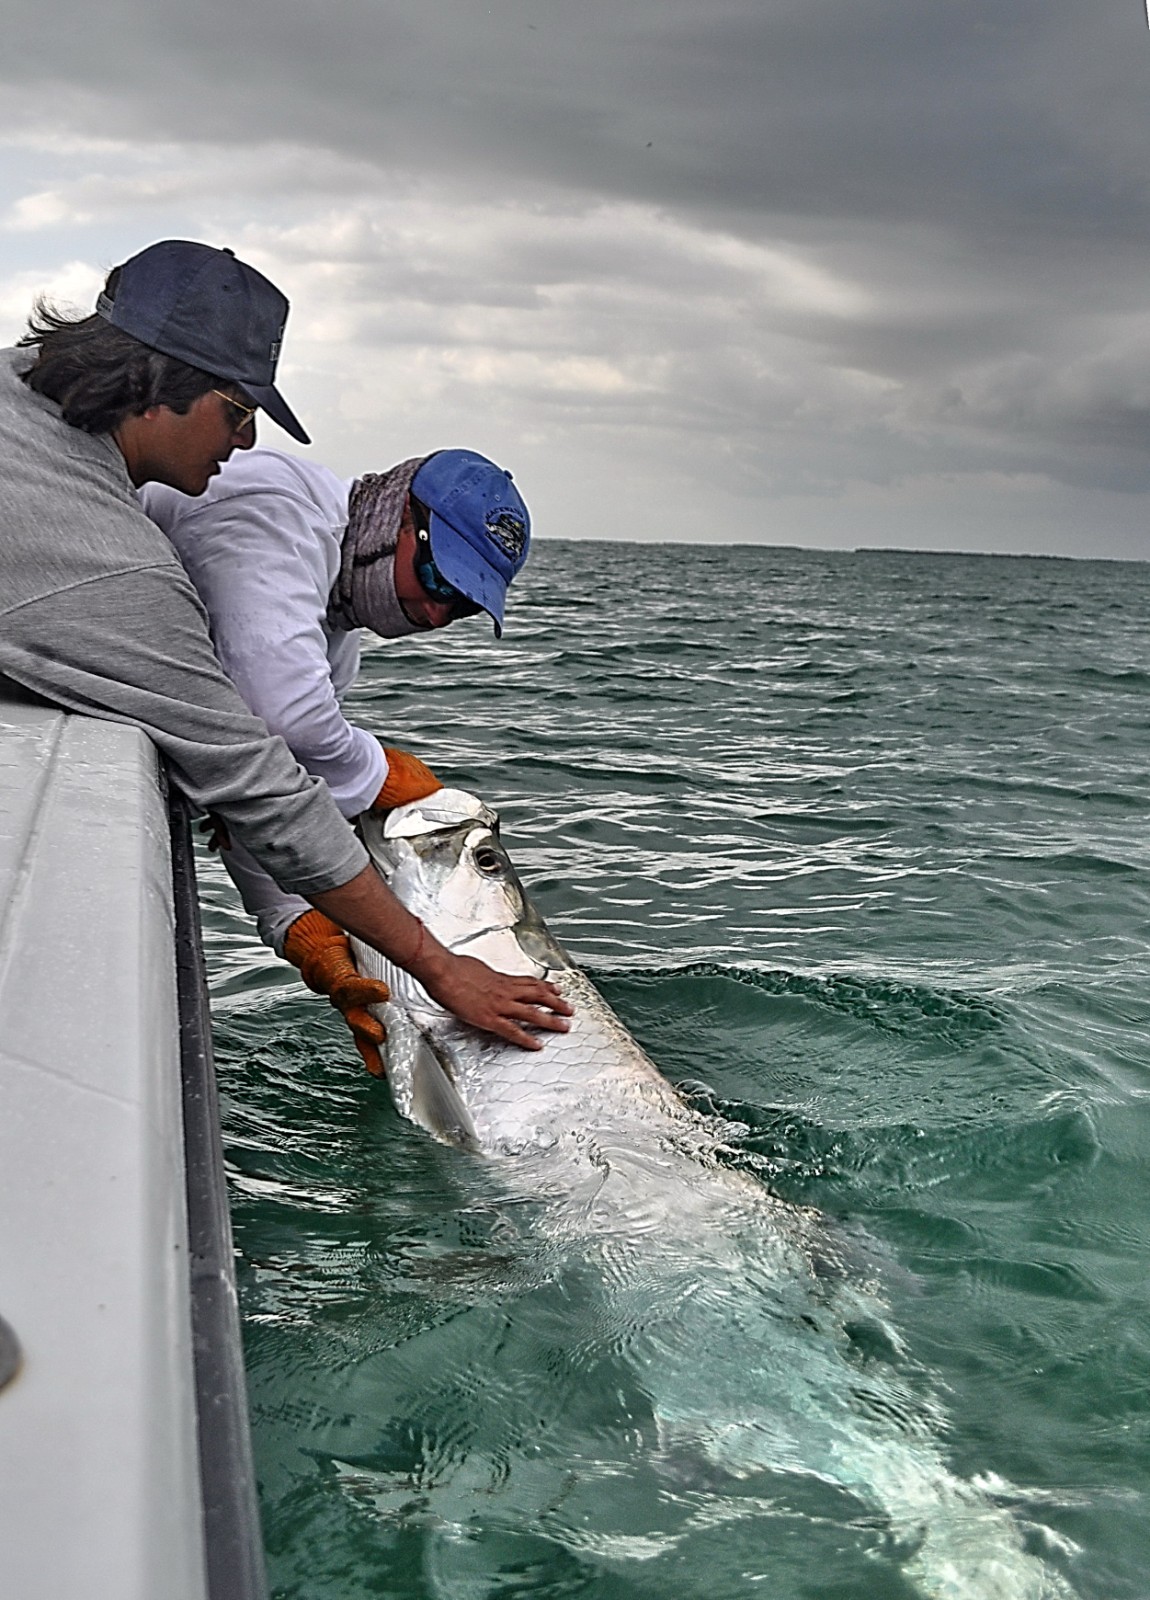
[407, 779]
[320, 949]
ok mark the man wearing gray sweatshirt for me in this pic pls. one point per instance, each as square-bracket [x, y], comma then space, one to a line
[98, 616]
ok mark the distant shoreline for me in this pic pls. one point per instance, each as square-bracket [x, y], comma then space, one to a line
[540, 540]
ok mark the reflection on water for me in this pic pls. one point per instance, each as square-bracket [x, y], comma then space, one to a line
[859, 856]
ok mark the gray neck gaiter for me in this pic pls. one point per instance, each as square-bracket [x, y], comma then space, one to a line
[363, 595]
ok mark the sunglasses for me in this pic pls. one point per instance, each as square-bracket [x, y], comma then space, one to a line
[241, 414]
[431, 580]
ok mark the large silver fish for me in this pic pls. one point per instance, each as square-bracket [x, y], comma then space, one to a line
[739, 1308]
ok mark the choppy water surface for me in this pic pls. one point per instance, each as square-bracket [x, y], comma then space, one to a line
[857, 847]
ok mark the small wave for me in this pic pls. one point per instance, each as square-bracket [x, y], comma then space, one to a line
[1128, 678]
[1036, 786]
[908, 1010]
[823, 824]
[1077, 861]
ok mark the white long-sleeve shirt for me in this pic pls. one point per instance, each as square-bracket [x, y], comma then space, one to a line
[262, 547]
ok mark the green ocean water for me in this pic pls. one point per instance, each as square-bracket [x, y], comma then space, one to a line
[856, 844]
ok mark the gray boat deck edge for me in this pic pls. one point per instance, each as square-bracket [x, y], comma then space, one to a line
[101, 1493]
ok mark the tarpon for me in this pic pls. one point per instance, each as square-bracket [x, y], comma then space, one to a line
[742, 1311]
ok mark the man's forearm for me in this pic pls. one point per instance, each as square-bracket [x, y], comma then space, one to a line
[367, 908]
[514, 1007]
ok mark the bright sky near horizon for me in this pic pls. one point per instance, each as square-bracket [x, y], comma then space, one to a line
[821, 272]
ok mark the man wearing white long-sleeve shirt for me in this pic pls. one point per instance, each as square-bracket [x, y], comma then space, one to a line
[291, 562]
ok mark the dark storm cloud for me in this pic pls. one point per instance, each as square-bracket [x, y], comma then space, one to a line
[971, 173]
[1026, 117]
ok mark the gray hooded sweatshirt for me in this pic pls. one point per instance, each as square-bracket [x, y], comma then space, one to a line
[98, 616]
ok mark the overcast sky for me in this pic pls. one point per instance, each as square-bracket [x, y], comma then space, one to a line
[821, 272]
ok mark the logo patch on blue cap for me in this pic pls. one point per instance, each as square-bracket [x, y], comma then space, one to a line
[505, 529]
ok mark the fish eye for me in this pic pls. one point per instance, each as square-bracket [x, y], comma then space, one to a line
[489, 861]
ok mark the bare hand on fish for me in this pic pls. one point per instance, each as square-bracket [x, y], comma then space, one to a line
[500, 1003]
[506, 1004]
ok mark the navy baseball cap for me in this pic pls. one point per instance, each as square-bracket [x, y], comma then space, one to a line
[480, 528]
[204, 307]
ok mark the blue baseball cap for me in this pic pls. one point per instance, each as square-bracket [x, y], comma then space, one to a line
[204, 307]
[480, 528]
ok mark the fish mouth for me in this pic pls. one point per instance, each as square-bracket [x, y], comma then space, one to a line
[441, 812]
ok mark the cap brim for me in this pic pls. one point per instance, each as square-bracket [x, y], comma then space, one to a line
[276, 407]
[465, 569]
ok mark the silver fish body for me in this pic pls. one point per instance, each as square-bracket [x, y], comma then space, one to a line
[736, 1304]
[589, 1116]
